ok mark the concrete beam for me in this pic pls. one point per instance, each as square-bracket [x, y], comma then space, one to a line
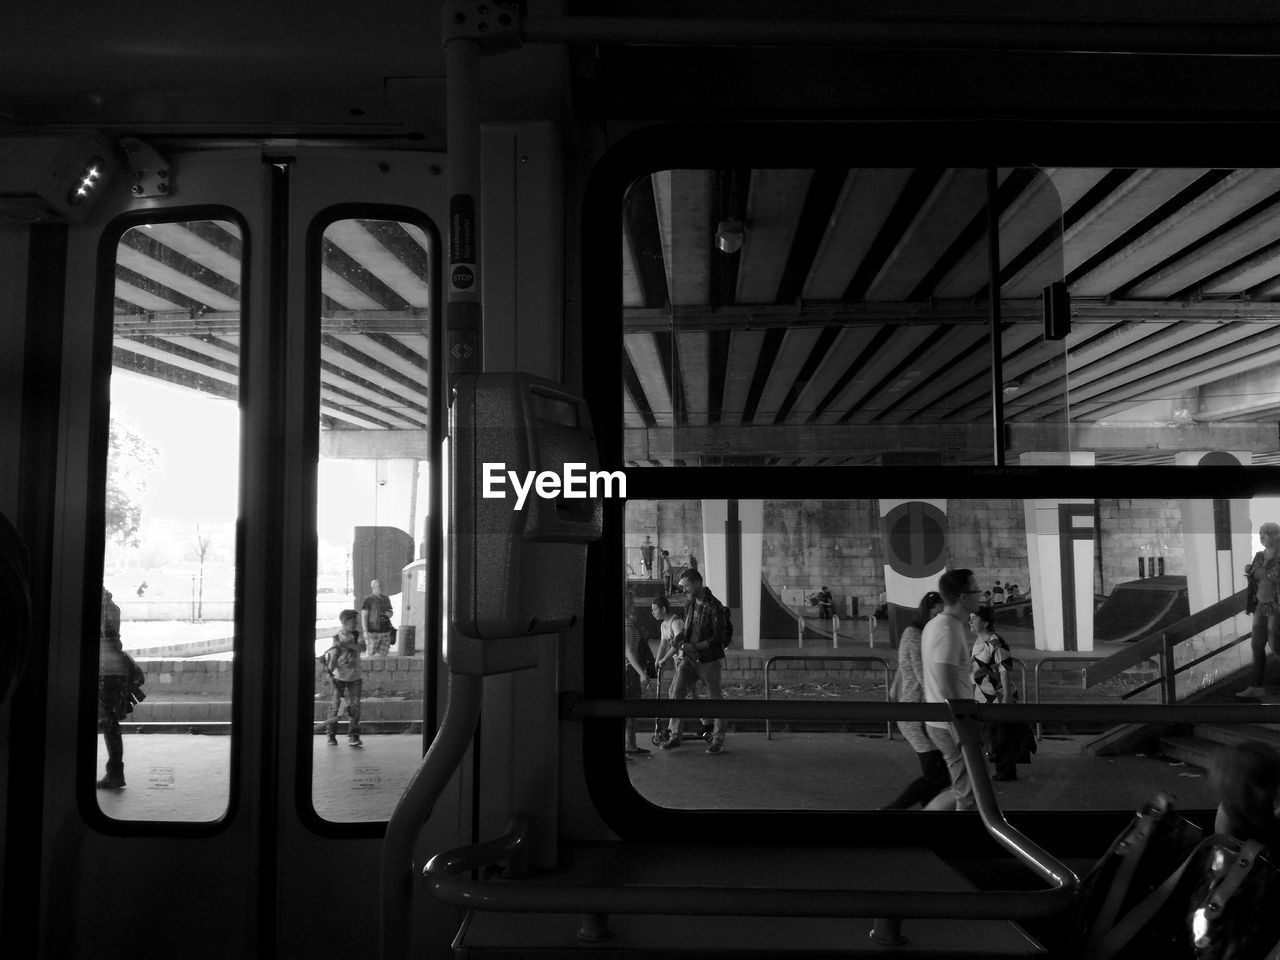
[953, 441]
[1118, 437]
[1243, 395]
[375, 445]
[1094, 312]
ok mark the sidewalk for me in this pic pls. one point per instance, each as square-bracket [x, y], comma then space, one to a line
[179, 776]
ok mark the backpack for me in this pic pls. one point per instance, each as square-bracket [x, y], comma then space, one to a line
[728, 630]
[644, 653]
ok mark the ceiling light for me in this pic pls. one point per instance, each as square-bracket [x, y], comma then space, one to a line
[89, 180]
[1011, 387]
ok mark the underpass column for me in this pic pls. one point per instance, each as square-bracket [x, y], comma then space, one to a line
[1217, 538]
[1061, 540]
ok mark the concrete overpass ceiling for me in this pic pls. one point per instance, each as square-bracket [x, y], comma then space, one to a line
[177, 316]
[858, 300]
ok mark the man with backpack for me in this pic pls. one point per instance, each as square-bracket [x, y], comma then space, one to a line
[707, 632]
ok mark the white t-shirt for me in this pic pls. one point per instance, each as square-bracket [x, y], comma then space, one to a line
[944, 659]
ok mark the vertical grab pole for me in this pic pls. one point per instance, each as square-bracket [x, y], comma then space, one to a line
[463, 327]
[462, 309]
[396, 871]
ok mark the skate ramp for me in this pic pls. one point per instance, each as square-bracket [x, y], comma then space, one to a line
[778, 621]
[1140, 607]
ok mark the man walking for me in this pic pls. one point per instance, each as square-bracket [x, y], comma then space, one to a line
[375, 620]
[706, 634]
[945, 652]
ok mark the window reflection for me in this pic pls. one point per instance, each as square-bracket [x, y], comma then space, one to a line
[168, 601]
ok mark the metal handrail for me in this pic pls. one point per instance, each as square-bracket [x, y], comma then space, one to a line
[574, 707]
[462, 713]
[444, 880]
[1035, 676]
[1167, 677]
[1159, 643]
[768, 732]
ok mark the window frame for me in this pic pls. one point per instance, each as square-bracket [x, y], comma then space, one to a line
[430, 643]
[99, 400]
[875, 143]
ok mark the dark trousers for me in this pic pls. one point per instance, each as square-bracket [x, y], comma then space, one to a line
[1266, 632]
[350, 689]
[1009, 744]
[933, 779]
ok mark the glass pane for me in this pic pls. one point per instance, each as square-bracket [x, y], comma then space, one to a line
[1173, 273]
[173, 468]
[820, 593]
[828, 316]
[372, 502]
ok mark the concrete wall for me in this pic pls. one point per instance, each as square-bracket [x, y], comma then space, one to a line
[673, 525]
[167, 679]
[327, 608]
[990, 538]
[1128, 525]
[837, 543]
[809, 544]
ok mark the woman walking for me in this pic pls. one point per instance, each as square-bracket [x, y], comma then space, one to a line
[1009, 743]
[908, 687]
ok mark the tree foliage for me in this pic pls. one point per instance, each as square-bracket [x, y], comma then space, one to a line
[130, 460]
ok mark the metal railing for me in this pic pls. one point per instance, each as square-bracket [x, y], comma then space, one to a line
[1035, 676]
[1160, 645]
[768, 731]
[444, 874]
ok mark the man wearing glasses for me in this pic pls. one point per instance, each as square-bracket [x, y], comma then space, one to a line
[945, 654]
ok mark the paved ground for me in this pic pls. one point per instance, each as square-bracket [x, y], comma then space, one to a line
[175, 776]
[184, 776]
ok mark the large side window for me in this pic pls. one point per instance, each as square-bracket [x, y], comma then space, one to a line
[828, 317]
[906, 321]
[373, 496]
[167, 627]
[842, 316]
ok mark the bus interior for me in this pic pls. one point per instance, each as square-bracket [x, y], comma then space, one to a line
[449, 331]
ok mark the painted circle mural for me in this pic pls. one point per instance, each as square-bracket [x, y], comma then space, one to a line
[915, 539]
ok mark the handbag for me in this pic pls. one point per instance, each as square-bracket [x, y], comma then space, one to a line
[1232, 910]
[1139, 861]
[1219, 904]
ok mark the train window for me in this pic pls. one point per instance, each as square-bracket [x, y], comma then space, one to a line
[1172, 274]
[375, 304]
[819, 593]
[828, 316]
[169, 574]
[839, 317]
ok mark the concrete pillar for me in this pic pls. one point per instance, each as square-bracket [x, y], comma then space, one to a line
[393, 499]
[738, 589]
[747, 625]
[1061, 539]
[915, 549]
[1061, 545]
[713, 563]
[1218, 539]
